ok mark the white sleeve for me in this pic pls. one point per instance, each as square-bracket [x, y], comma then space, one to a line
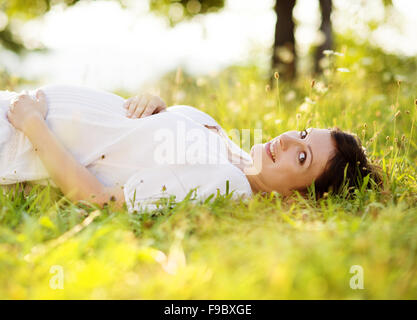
[145, 188]
[149, 185]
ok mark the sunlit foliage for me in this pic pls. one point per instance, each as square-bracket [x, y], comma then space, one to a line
[178, 10]
[13, 11]
[268, 247]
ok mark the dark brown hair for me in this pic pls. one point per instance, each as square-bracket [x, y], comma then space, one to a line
[347, 167]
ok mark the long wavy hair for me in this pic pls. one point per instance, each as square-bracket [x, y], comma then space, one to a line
[348, 166]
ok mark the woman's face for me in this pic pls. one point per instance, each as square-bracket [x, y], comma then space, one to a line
[296, 159]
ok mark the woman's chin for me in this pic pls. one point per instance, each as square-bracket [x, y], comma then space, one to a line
[258, 158]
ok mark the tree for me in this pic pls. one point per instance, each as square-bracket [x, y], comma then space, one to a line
[284, 55]
[283, 50]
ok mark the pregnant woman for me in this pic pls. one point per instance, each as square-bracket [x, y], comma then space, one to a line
[98, 147]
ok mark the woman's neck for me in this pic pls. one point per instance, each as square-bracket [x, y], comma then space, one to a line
[254, 185]
[254, 181]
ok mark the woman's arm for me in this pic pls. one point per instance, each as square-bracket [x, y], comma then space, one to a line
[74, 180]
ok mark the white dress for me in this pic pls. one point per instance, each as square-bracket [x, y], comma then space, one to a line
[163, 155]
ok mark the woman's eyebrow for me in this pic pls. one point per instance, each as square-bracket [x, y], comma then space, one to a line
[311, 155]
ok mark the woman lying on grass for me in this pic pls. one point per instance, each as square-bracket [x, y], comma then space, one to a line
[98, 147]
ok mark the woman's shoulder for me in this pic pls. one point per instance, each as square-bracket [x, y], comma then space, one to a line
[211, 178]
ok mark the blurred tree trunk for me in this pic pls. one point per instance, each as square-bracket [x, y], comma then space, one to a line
[326, 29]
[283, 54]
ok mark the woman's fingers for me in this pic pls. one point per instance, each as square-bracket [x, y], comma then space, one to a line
[142, 105]
[12, 104]
[159, 109]
[40, 95]
[127, 103]
[9, 115]
[132, 106]
[16, 100]
[135, 106]
[151, 108]
[24, 93]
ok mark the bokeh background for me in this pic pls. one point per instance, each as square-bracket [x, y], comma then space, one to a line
[126, 43]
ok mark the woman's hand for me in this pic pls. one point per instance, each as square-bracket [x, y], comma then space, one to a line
[144, 105]
[24, 108]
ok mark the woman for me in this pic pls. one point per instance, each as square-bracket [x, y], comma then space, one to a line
[98, 147]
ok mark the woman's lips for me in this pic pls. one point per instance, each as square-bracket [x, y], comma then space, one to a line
[268, 152]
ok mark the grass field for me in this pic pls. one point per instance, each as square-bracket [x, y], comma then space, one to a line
[265, 248]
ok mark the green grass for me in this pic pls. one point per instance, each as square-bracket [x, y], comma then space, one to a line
[265, 248]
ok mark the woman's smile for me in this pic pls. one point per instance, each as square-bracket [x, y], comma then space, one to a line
[271, 149]
[268, 150]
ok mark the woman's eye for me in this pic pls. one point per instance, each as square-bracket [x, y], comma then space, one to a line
[302, 157]
[303, 134]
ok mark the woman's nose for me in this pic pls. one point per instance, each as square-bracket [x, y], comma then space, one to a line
[286, 141]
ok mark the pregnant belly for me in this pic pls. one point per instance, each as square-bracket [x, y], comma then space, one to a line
[83, 119]
[84, 101]
[86, 120]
